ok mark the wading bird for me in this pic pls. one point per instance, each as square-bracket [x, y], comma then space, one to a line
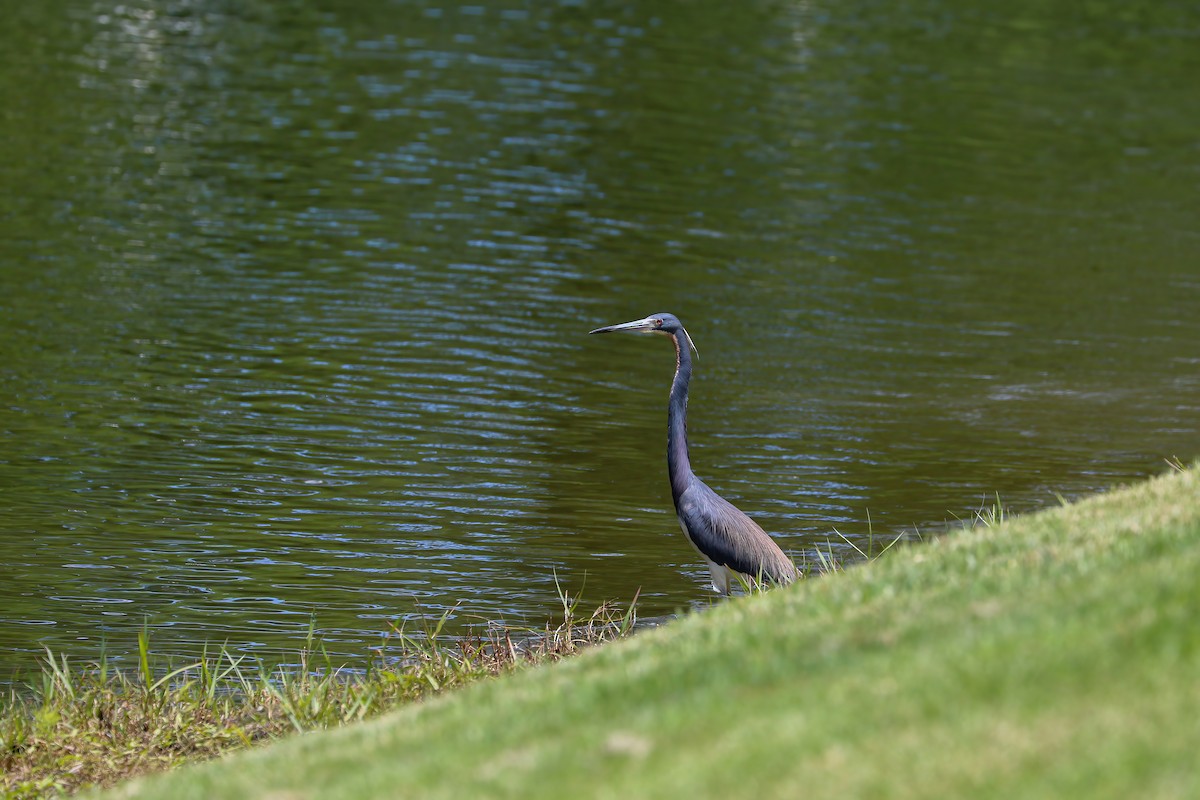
[730, 542]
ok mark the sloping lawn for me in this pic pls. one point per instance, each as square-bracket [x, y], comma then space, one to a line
[1056, 655]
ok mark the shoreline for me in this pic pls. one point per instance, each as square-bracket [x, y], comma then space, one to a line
[1051, 655]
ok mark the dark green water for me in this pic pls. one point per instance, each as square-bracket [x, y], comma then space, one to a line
[293, 295]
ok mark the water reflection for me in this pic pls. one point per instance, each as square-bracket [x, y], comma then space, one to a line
[294, 299]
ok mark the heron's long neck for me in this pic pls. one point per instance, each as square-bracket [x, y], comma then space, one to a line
[679, 466]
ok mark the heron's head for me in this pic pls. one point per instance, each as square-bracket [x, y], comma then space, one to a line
[667, 324]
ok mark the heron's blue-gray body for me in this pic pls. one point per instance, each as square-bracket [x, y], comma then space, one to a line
[728, 540]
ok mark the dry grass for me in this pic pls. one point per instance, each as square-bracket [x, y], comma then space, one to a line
[95, 726]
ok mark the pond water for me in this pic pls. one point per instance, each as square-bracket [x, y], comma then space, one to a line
[294, 295]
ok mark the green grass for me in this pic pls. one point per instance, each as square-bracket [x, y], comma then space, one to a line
[1054, 655]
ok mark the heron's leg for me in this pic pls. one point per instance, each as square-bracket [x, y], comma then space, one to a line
[720, 578]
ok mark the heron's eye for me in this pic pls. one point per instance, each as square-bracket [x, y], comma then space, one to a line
[658, 323]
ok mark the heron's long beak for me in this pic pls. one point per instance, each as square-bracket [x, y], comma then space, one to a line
[644, 326]
[637, 326]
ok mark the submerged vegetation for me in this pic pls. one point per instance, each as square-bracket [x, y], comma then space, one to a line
[75, 727]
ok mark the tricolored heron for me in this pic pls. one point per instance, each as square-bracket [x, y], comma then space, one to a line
[729, 541]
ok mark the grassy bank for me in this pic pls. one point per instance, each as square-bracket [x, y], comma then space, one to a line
[92, 725]
[1056, 655]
